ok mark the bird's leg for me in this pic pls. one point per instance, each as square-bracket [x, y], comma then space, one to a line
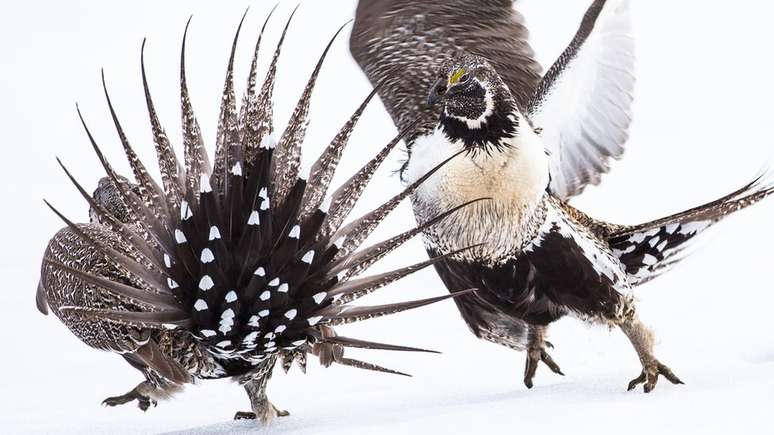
[642, 339]
[145, 393]
[263, 409]
[536, 352]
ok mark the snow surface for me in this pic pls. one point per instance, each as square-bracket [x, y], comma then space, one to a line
[703, 126]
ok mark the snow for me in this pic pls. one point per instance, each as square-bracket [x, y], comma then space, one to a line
[703, 127]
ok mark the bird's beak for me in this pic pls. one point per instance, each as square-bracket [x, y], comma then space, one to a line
[437, 92]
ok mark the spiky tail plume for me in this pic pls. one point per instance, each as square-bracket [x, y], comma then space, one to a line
[246, 254]
[650, 249]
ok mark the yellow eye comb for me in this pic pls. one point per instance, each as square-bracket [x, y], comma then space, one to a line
[456, 76]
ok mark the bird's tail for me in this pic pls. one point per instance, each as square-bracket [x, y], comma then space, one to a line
[650, 249]
[246, 256]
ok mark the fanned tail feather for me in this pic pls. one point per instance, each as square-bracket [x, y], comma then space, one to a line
[228, 148]
[286, 164]
[323, 169]
[358, 230]
[650, 249]
[168, 164]
[363, 344]
[242, 255]
[195, 156]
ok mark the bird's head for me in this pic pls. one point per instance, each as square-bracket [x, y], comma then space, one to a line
[477, 106]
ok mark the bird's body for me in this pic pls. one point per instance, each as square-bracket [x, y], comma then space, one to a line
[222, 271]
[528, 233]
[579, 124]
[401, 45]
[537, 258]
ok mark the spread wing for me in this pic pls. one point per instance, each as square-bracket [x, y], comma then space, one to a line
[583, 104]
[400, 44]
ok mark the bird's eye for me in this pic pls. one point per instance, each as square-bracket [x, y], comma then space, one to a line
[464, 78]
[440, 90]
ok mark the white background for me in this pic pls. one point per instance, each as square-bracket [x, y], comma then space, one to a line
[703, 126]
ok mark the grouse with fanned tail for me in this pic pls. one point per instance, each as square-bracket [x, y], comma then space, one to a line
[220, 271]
[540, 258]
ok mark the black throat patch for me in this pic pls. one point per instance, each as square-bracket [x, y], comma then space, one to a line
[489, 136]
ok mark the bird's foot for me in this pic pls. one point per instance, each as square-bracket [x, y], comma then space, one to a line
[266, 414]
[143, 402]
[535, 354]
[244, 415]
[649, 376]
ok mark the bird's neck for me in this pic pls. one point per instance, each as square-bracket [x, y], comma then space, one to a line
[490, 131]
[514, 179]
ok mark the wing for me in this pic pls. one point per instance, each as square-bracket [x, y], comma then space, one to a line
[400, 45]
[583, 104]
[563, 269]
[568, 269]
[63, 287]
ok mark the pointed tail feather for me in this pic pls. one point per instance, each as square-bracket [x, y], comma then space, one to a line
[344, 198]
[227, 138]
[248, 123]
[245, 273]
[288, 152]
[363, 344]
[194, 154]
[650, 249]
[324, 167]
[150, 192]
[362, 260]
[170, 168]
[358, 230]
[350, 314]
[368, 366]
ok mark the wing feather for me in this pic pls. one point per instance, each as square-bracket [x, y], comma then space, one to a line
[583, 104]
[401, 43]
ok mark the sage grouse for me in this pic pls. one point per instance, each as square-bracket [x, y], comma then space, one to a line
[541, 259]
[401, 45]
[221, 272]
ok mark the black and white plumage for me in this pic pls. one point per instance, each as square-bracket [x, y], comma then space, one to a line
[401, 44]
[222, 270]
[581, 106]
[583, 103]
[539, 259]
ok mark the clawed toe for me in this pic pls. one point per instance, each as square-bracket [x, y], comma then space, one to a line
[143, 402]
[117, 400]
[649, 377]
[266, 415]
[534, 356]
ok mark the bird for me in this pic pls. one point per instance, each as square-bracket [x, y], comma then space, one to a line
[225, 270]
[402, 45]
[538, 258]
